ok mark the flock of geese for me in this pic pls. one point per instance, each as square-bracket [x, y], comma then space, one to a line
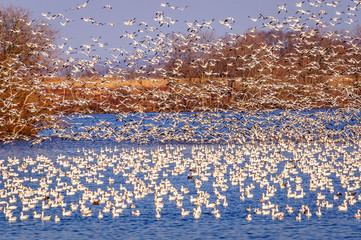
[152, 45]
[291, 164]
[283, 180]
[324, 125]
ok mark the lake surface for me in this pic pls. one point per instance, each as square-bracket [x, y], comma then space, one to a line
[152, 176]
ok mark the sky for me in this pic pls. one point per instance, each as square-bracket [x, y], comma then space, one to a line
[80, 32]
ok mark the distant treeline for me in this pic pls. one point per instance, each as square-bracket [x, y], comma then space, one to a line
[256, 70]
[298, 56]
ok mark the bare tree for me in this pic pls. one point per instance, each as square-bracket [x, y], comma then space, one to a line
[27, 52]
[357, 31]
[25, 42]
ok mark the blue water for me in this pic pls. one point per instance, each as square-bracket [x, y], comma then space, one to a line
[228, 227]
[232, 224]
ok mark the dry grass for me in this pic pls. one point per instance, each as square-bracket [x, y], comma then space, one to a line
[111, 83]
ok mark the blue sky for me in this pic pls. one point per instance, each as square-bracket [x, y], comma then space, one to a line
[80, 32]
[144, 10]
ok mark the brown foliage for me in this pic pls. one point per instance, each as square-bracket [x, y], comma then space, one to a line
[26, 55]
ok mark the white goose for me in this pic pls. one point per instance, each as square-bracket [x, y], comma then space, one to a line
[357, 215]
[12, 219]
[23, 217]
[319, 213]
[100, 215]
[114, 212]
[36, 215]
[184, 213]
[57, 219]
[66, 213]
[45, 218]
[136, 212]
